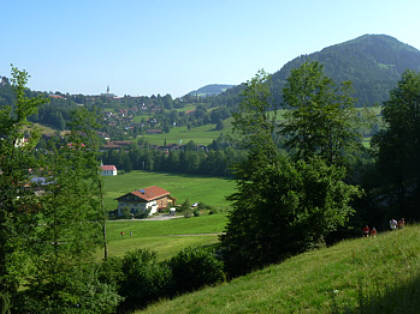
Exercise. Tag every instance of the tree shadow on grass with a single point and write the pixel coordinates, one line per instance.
(397, 297)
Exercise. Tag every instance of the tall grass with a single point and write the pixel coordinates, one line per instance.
(367, 275)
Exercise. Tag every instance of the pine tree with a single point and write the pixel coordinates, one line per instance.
(72, 219)
(17, 202)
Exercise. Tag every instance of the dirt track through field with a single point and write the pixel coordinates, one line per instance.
(196, 234)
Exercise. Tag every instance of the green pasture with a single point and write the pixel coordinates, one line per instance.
(366, 275)
(165, 247)
(138, 118)
(187, 107)
(210, 190)
(204, 134)
(165, 237)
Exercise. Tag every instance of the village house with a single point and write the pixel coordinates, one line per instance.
(108, 170)
(152, 198)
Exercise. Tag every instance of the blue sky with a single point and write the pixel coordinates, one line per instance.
(175, 46)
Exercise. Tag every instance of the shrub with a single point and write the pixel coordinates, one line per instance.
(213, 211)
(196, 213)
(141, 214)
(186, 205)
(72, 291)
(188, 213)
(126, 213)
(193, 268)
(144, 281)
(110, 271)
(203, 206)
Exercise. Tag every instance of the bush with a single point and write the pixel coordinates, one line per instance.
(110, 271)
(188, 213)
(72, 291)
(126, 214)
(196, 213)
(213, 211)
(141, 214)
(193, 268)
(204, 206)
(144, 281)
(186, 205)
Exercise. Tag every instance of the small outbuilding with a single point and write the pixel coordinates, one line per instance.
(152, 198)
(108, 170)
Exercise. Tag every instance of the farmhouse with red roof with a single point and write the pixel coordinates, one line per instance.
(109, 170)
(152, 198)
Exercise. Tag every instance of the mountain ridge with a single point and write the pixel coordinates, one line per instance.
(373, 63)
(210, 90)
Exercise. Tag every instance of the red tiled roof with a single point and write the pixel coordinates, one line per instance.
(109, 167)
(150, 193)
(110, 146)
(55, 96)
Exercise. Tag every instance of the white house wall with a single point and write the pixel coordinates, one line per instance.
(109, 172)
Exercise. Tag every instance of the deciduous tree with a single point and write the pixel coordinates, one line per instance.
(322, 120)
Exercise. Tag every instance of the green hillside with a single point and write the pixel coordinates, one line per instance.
(367, 275)
(374, 64)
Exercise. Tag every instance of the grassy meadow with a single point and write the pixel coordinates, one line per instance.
(165, 237)
(366, 275)
(210, 190)
(204, 135)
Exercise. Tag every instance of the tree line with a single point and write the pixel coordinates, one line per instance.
(189, 159)
(326, 184)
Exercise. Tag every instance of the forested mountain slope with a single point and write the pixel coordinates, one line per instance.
(210, 90)
(374, 64)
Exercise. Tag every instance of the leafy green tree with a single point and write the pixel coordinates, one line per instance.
(193, 268)
(322, 119)
(186, 205)
(144, 279)
(16, 201)
(398, 148)
(280, 207)
(219, 125)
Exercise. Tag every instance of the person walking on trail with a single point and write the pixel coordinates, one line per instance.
(401, 223)
(366, 231)
(373, 232)
(393, 224)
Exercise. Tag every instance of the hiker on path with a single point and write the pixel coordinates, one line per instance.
(373, 232)
(366, 231)
(401, 223)
(393, 224)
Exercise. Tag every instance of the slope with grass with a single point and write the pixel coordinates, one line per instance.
(367, 275)
(165, 237)
(210, 190)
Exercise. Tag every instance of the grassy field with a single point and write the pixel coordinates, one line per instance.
(144, 116)
(209, 190)
(204, 135)
(165, 237)
(367, 275)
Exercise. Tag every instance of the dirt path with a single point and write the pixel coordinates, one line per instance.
(195, 234)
